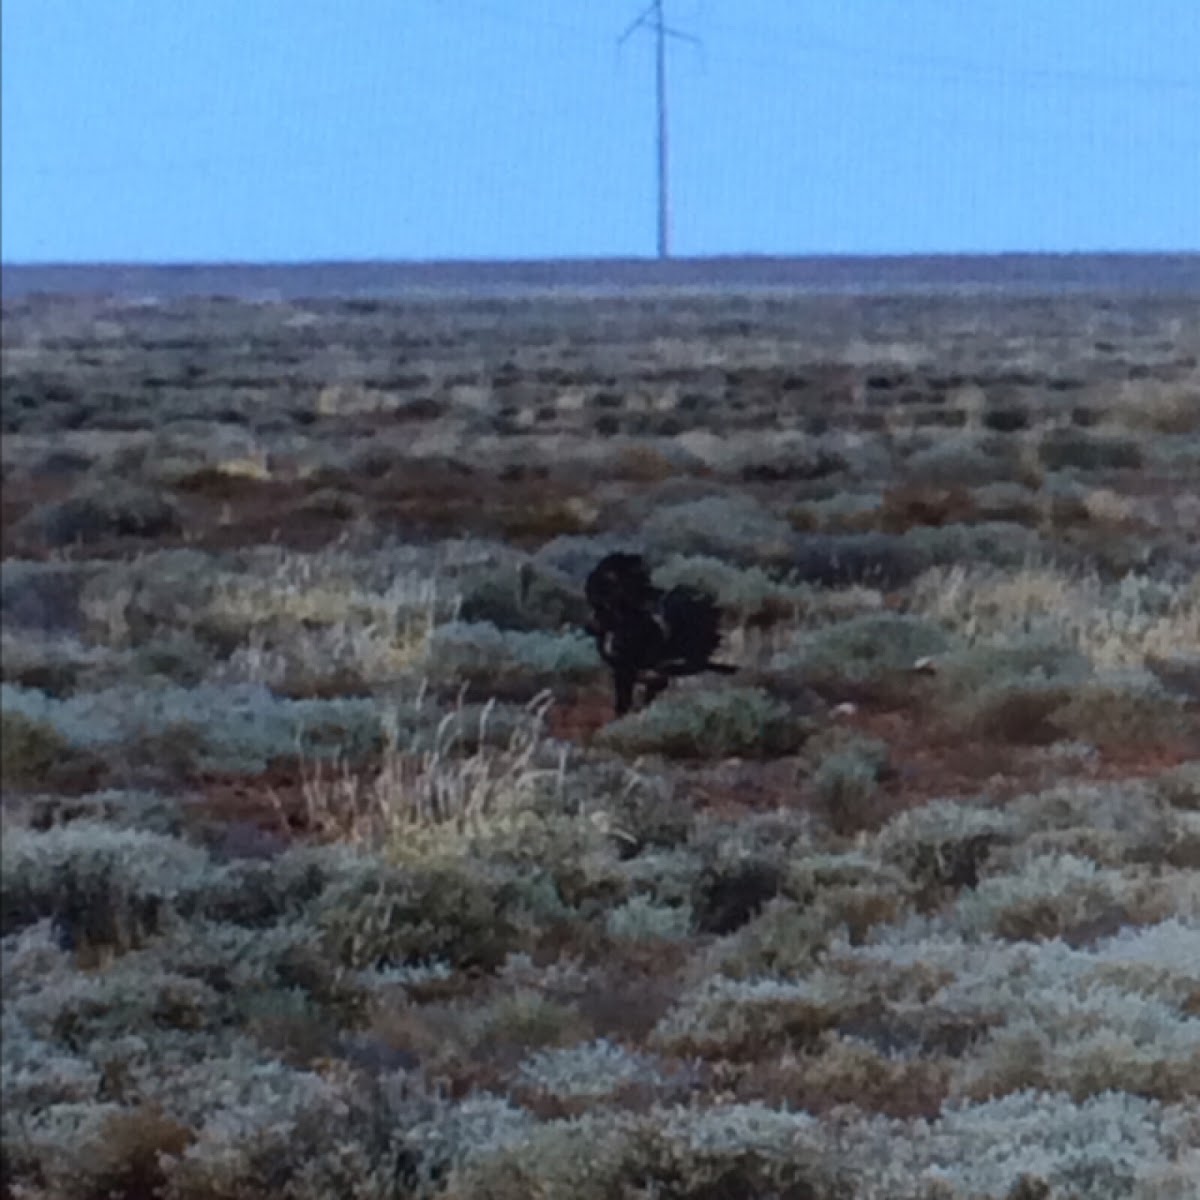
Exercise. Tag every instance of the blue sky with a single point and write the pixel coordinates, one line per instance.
(149, 130)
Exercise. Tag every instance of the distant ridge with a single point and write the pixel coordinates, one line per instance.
(1018, 274)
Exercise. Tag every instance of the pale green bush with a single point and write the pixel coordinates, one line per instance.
(1124, 815)
(122, 808)
(489, 660)
(1180, 787)
(782, 940)
(641, 919)
(744, 594)
(236, 728)
(1056, 895)
(734, 527)
(1106, 1042)
(846, 780)
(996, 543)
(1028, 1144)
(927, 842)
(866, 648)
(717, 724)
(525, 599)
(967, 459)
(963, 672)
(450, 1138)
(104, 886)
(589, 1070)
(128, 998)
(1013, 710)
(840, 513)
(54, 662)
(462, 913)
(1071, 1019)
(725, 1150)
(735, 1019)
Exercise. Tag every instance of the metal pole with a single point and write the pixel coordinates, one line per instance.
(660, 75)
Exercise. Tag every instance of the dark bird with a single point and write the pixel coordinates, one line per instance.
(646, 635)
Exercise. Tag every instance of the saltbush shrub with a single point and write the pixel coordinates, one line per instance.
(122, 808)
(1123, 708)
(943, 846)
(746, 594)
(640, 919)
(103, 886)
(711, 724)
(733, 527)
(117, 510)
(846, 782)
(751, 1019)
(33, 754)
(965, 459)
(1053, 895)
(456, 912)
(782, 941)
(965, 671)
(42, 596)
(495, 662)
(688, 1154)
(1180, 787)
(527, 601)
(873, 559)
(590, 1070)
(237, 728)
(866, 648)
(1063, 449)
(1020, 711)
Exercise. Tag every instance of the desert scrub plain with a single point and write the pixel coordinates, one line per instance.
(326, 874)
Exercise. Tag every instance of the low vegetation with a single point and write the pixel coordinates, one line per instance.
(328, 872)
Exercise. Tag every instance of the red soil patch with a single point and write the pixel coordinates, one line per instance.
(251, 815)
(1131, 761)
(226, 511)
(262, 814)
(734, 787)
(21, 496)
(931, 764)
(926, 766)
(578, 717)
(927, 763)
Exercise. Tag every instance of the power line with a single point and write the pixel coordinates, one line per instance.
(818, 42)
(805, 49)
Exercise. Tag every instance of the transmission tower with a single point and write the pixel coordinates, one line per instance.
(652, 18)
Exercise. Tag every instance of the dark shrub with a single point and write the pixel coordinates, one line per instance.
(1007, 419)
(1064, 448)
(120, 510)
(874, 559)
(527, 600)
(402, 916)
(726, 896)
(42, 595)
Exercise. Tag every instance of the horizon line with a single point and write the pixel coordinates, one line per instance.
(592, 259)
